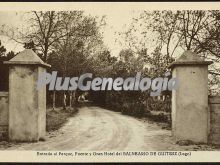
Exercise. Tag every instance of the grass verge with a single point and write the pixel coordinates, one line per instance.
(56, 118)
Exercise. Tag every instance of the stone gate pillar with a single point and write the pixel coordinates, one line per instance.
(27, 105)
(190, 100)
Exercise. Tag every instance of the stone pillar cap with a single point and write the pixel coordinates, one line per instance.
(27, 57)
(189, 58)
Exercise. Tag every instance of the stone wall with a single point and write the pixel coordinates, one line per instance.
(214, 127)
(3, 115)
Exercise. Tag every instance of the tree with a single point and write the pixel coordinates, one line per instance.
(176, 31)
(73, 52)
(2, 50)
(3, 68)
(30, 45)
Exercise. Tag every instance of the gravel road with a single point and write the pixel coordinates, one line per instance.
(98, 129)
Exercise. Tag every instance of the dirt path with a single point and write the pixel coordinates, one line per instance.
(94, 128)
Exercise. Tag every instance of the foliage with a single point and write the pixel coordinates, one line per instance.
(72, 43)
(3, 68)
(175, 32)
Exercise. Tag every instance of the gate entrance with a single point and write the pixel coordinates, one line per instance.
(24, 107)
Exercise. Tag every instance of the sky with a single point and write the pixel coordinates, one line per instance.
(118, 15)
(115, 22)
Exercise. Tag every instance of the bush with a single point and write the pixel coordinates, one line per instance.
(136, 103)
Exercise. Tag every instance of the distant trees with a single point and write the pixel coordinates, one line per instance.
(3, 55)
(72, 43)
(153, 41)
(72, 53)
(3, 68)
(169, 33)
(67, 40)
(2, 50)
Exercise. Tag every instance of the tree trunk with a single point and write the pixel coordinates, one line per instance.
(74, 98)
(64, 101)
(71, 98)
(54, 100)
